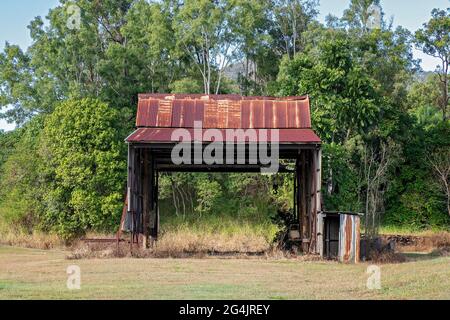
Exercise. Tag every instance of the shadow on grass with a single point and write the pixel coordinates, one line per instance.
(423, 256)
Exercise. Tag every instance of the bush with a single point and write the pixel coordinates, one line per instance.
(21, 183)
(86, 157)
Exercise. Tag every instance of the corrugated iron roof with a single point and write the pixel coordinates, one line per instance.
(223, 111)
(305, 136)
(160, 114)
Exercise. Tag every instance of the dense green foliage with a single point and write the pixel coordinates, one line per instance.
(66, 172)
(84, 150)
(73, 94)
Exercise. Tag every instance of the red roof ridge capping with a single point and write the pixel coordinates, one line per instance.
(158, 112)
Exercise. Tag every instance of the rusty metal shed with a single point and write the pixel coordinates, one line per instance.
(151, 144)
(341, 235)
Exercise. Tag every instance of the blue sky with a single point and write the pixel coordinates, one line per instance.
(15, 16)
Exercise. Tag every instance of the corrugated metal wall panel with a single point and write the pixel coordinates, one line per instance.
(349, 238)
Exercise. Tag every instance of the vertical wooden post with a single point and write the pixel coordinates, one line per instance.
(296, 215)
(138, 187)
(313, 207)
(131, 193)
(319, 223)
(303, 201)
(145, 200)
(152, 215)
(156, 196)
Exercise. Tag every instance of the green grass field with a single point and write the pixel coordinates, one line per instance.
(41, 274)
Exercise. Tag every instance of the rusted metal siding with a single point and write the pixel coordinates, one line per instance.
(349, 238)
(300, 136)
(223, 111)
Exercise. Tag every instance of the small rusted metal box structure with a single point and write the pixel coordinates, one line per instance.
(341, 236)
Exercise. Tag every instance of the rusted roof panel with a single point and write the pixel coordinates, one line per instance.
(223, 111)
(167, 135)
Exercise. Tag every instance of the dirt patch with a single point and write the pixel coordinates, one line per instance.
(96, 250)
(441, 240)
(387, 257)
(410, 243)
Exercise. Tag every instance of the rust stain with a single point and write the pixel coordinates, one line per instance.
(223, 111)
(177, 111)
(292, 114)
(188, 112)
(348, 238)
(152, 113)
(211, 115)
(221, 114)
(164, 113)
(234, 114)
(199, 110)
(358, 239)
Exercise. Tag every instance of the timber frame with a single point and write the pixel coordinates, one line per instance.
(160, 117)
(147, 160)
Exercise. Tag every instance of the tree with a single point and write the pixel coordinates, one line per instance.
(8, 143)
(361, 13)
(17, 94)
(344, 98)
(434, 40)
(22, 184)
(440, 162)
(250, 27)
(146, 61)
(377, 161)
(203, 30)
(120, 49)
(87, 184)
(423, 101)
(291, 19)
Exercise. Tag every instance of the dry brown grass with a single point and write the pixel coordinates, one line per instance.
(185, 241)
(36, 240)
(183, 244)
(441, 240)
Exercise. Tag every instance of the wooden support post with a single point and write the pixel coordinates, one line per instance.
(157, 204)
(153, 216)
(131, 193)
(138, 196)
(295, 209)
(303, 201)
(298, 190)
(146, 200)
(319, 220)
(313, 197)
